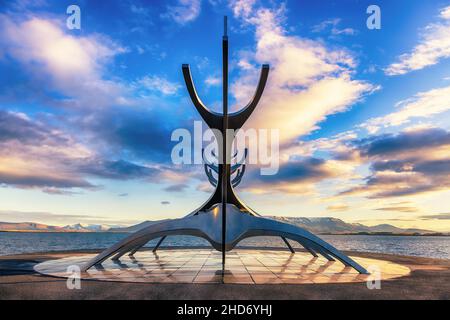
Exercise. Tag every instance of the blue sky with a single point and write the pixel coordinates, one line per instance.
(86, 115)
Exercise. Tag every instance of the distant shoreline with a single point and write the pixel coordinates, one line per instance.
(43, 231)
(437, 234)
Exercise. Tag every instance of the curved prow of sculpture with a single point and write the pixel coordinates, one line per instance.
(212, 119)
(236, 119)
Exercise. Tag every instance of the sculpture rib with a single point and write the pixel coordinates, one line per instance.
(212, 119)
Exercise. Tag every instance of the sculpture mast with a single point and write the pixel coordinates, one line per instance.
(225, 156)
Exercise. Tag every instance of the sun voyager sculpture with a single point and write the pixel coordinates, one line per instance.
(224, 220)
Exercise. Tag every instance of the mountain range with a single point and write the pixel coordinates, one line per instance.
(337, 226)
(316, 225)
(40, 227)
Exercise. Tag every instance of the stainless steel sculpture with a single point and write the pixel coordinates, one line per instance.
(224, 220)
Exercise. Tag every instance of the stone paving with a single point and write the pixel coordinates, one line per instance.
(243, 266)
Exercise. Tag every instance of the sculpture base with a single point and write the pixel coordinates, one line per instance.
(240, 225)
(244, 266)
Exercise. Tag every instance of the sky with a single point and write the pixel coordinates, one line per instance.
(86, 115)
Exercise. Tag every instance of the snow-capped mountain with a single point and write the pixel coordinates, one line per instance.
(87, 227)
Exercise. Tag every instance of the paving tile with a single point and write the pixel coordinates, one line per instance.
(208, 279)
(266, 280)
(245, 279)
(296, 281)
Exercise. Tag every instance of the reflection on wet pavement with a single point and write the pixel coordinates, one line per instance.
(243, 266)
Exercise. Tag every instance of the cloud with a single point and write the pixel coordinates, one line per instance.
(305, 169)
(422, 105)
(435, 167)
(296, 85)
(74, 66)
(408, 163)
(23, 5)
(404, 142)
(184, 12)
(142, 133)
(140, 10)
(339, 146)
(49, 181)
(59, 191)
(398, 209)
(412, 162)
(74, 72)
(34, 154)
(213, 81)
(338, 207)
(60, 153)
(295, 176)
(310, 167)
(205, 186)
(242, 8)
(440, 216)
(434, 46)
(331, 25)
(19, 127)
(176, 187)
(119, 169)
(159, 84)
(165, 202)
(124, 143)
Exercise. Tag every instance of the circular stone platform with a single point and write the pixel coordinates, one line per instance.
(243, 266)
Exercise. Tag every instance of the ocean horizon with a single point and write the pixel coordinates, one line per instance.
(31, 242)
